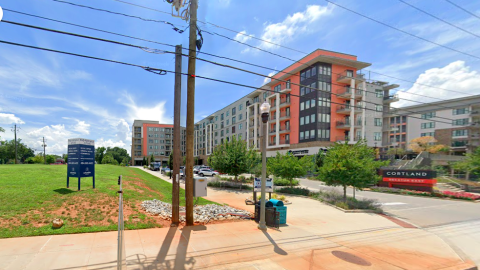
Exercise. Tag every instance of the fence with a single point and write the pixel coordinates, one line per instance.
(121, 256)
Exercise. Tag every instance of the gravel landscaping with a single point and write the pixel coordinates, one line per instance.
(201, 213)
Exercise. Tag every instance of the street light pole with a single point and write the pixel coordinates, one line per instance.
(264, 109)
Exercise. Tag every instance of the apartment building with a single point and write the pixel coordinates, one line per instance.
(346, 108)
(152, 138)
(454, 123)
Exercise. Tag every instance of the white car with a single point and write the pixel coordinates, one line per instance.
(207, 172)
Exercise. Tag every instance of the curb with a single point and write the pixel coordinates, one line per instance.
(428, 197)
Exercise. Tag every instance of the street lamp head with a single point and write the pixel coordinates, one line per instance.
(265, 107)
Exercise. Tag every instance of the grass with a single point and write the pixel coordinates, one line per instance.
(32, 195)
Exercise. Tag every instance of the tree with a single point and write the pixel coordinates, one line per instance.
(396, 151)
(471, 164)
(144, 161)
(152, 159)
(125, 161)
(38, 159)
(50, 159)
(65, 157)
(108, 159)
(118, 153)
(232, 157)
(99, 153)
(1, 130)
(350, 165)
(288, 166)
(7, 151)
(426, 143)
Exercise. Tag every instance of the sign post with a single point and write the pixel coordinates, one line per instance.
(257, 187)
(81, 160)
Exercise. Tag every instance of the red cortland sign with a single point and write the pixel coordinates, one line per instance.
(410, 180)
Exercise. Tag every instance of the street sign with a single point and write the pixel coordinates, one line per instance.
(257, 185)
(81, 159)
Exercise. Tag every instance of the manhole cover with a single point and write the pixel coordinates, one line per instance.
(351, 258)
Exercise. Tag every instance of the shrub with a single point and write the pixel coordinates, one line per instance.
(336, 198)
(461, 195)
(220, 184)
(386, 189)
(168, 174)
(294, 190)
(284, 182)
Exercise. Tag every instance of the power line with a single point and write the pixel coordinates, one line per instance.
(466, 10)
(403, 31)
(289, 48)
(440, 19)
(150, 50)
(278, 55)
(196, 76)
(123, 14)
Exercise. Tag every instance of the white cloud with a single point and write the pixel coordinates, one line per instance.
(110, 143)
(294, 24)
(266, 79)
(56, 137)
(82, 127)
(243, 37)
(123, 131)
(8, 118)
(156, 112)
(455, 76)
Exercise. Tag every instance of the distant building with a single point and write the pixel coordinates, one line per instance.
(456, 124)
(348, 108)
(152, 138)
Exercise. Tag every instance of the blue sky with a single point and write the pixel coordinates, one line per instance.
(61, 97)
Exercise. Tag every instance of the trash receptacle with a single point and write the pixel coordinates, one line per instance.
(281, 209)
(267, 203)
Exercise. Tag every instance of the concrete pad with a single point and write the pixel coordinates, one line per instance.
(69, 242)
(67, 258)
(14, 262)
(22, 245)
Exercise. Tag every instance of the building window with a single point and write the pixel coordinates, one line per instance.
(431, 134)
(221, 124)
(233, 120)
(233, 129)
(227, 131)
(240, 116)
(325, 102)
(377, 122)
(323, 133)
(301, 135)
(221, 117)
(459, 133)
(277, 88)
(324, 117)
(228, 122)
(302, 121)
(312, 118)
(460, 122)
(378, 93)
(312, 103)
(307, 135)
(427, 125)
(302, 106)
(378, 108)
(240, 107)
(307, 105)
(234, 110)
(460, 111)
(377, 136)
(221, 133)
(428, 115)
(228, 113)
(156, 141)
(307, 120)
(215, 126)
(240, 126)
(287, 86)
(150, 141)
(302, 91)
(216, 118)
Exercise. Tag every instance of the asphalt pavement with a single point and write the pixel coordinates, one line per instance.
(456, 222)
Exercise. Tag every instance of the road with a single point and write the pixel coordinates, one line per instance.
(457, 222)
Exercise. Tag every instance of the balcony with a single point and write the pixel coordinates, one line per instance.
(284, 141)
(253, 101)
(459, 144)
(346, 109)
(284, 129)
(284, 102)
(389, 99)
(347, 76)
(346, 124)
(272, 131)
(284, 115)
(273, 117)
(346, 93)
(271, 143)
(342, 138)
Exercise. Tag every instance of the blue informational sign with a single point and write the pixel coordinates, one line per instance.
(81, 159)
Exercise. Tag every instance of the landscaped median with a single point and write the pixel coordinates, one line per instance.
(335, 199)
(31, 196)
(440, 194)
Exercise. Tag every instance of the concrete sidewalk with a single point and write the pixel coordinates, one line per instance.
(317, 237)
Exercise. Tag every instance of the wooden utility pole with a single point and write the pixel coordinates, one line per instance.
(44, 156)
(15, 131)
(190, 111)
(177, 153)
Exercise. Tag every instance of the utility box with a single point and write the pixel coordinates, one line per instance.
(199, 186)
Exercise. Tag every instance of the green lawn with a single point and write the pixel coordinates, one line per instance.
(31, 196)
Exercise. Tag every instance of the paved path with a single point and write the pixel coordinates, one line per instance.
(317, 237)
(457, 222)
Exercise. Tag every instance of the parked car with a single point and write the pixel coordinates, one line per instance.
(199, 168)
(207, 172)
(165, 170)
(155, 166)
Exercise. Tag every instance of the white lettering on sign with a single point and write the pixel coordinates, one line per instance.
(81, 141)
(406, 174)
